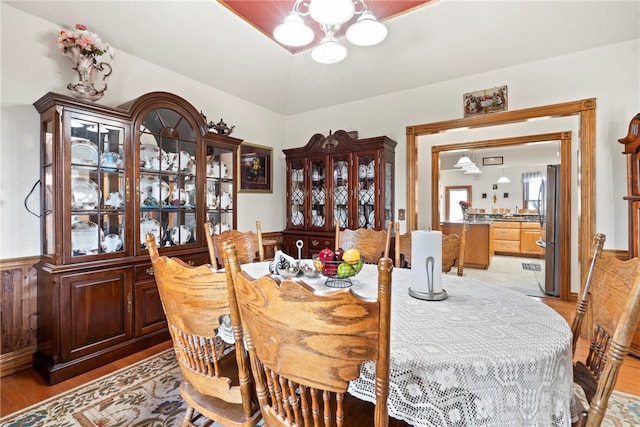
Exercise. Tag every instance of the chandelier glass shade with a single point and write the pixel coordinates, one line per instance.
(330, 15)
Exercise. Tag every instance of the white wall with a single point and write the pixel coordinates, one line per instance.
(611, 74)
(33, 66)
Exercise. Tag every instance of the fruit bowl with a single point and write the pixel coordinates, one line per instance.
(338, 273)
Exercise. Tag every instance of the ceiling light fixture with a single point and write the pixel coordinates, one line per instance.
(330, 14)
(464, 161)
(503, 179)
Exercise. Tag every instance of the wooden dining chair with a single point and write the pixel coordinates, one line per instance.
(372, 244)
(614, 306)
(216, 383)
(453, 249)
(306, 347)
(402, 248)
(583, 302)
(249, 243)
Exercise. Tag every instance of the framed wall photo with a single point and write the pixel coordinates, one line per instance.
(490, 161)
(255, 169)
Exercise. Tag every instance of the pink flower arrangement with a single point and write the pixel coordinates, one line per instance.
(465, 204)
(89, 44)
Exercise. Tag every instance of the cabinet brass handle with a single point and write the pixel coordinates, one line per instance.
(149, 271)
(190, 262)
(126, 189)
(327, 243)
(129, 303)
(314, 243)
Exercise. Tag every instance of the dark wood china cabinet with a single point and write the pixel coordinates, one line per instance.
(109, 176)
(632, 151)
(337, 178)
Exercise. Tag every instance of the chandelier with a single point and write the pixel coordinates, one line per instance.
(330, 15)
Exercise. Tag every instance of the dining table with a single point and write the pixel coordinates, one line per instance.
(484, 356)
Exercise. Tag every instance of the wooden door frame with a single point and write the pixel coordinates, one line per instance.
(585, 109)
(564, 239)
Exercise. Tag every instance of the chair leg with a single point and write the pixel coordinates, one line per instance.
(186, 421)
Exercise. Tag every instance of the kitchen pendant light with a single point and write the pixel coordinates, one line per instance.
(503, 179)
(330, 15)
(463, 161)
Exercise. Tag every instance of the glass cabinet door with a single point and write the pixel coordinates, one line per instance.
(297, 193)
(167, 178)
(341, 191)
(318, 197)
(98, 186)
(366, 167)
(220, 174)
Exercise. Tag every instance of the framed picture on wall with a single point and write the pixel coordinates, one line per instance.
(255, 168)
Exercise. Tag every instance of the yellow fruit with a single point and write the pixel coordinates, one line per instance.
(317, 264)
(351, 256)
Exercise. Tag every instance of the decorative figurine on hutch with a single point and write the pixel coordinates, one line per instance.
(84, 48)
(221, 127)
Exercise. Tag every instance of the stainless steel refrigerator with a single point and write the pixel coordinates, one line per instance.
(549, 203)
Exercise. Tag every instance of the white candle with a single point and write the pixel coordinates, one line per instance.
(426, 260)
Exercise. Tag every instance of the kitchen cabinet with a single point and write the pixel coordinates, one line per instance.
(478, 246)
(108, 177)
(632, 152)
(506, 237)
(337, 178)
(530, 233)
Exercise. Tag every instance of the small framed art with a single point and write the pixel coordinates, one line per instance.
(255, 169)
(492, 161)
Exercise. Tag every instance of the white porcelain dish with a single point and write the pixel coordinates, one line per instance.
(85, 193)
(110, 160)
(84, 152)
(149, 225)
(153, 190)
(297, 218)
(111, 243)
(114, 200)
(179, 194)
(180, 235)
(85, 237)
(221, 228)
(152, 157)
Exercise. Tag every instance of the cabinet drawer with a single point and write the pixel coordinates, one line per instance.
(506, 224)
(506, 234)
(145, 271)
(506, 246)
(530, 225)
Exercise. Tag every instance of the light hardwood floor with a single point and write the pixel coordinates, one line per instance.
(25, 388)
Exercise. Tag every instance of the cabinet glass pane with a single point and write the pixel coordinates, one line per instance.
(366, 191)
(98, 187)
(219, 197)
(168, 157)
(318, 199)
(341, 191)
(388, 188)
(296, 192)
(48, 143)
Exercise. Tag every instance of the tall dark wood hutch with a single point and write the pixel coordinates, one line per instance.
(108, 177)
(337, 178)
(632, 151)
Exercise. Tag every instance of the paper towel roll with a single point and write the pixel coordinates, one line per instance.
(426, 245)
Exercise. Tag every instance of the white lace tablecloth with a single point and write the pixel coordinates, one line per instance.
(485, 356)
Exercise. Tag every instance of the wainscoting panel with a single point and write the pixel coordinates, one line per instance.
(18, 314)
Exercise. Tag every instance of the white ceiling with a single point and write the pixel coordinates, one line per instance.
(438, 42)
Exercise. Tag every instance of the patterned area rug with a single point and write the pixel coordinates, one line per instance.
(146, 394)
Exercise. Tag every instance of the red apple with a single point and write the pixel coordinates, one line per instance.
(338, 254)
(329, 270)
(326, 254)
